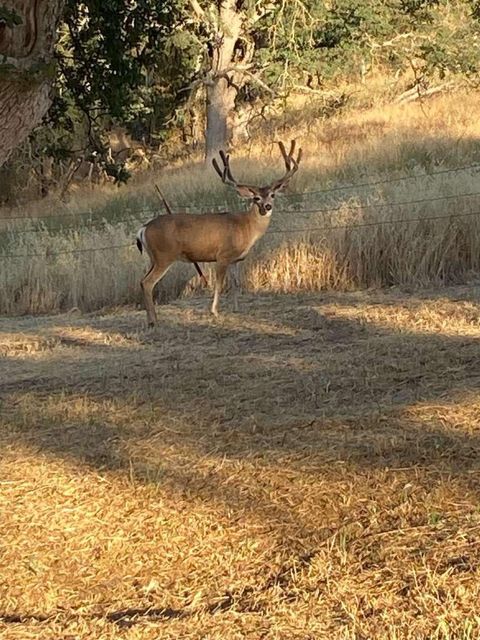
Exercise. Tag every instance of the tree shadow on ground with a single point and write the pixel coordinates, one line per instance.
(261, 388)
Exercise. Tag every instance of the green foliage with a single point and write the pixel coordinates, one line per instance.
(133, 63)
(120, 63)
(109, 52)
(321, 43)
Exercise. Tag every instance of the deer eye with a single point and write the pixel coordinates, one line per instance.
(257, 198)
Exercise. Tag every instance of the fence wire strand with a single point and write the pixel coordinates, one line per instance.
(52, 254)
(304, 230)
(304, 194)
(135, 217)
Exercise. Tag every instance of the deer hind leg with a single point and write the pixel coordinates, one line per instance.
(153, 275)
(220, 272)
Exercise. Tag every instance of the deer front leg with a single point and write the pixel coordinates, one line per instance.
(220, 271)
(236, 285)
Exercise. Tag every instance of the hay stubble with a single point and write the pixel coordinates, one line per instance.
(307, 468)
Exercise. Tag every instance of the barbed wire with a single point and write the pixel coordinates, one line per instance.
(377, 223)
(104, 214)
(304, 194)
(355, 185)
(66, 214)
(305, 230)
(381, 205)
(73, 227)
(52, 254)
(135, 216)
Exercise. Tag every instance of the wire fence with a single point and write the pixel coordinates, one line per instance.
(301, 230)
(135, 215)
(379, 223)
(358, 185)
(96, 222)
(303, 194)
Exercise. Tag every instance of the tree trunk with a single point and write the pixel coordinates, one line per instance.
(220, 105)
(26, 67)
(221, 89)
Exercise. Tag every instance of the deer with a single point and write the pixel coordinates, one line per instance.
(223, 238)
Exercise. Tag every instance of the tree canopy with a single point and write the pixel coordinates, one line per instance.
(149, 64)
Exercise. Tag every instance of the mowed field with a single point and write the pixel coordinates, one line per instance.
(307, 468)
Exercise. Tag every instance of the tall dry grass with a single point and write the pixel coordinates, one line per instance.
(401, 148)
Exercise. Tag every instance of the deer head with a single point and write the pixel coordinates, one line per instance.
(262, 197)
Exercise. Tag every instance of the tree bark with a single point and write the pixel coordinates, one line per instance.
(26, 68)
(221, 89)
(220, 105)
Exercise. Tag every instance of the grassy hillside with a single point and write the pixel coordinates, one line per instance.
(359, 169)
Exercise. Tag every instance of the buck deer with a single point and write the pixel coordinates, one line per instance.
(224, 238)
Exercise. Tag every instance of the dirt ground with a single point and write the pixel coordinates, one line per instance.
(307, 468)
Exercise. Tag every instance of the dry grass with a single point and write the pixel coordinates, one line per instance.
(377, 144)
(307, 468)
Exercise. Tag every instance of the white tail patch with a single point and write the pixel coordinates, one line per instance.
(141, 238)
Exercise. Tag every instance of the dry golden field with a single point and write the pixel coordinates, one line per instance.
(305, 469)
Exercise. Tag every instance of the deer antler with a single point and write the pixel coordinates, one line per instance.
(226, 173)
(291, 164)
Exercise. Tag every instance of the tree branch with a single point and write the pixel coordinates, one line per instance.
(254, 78)
(197, 9)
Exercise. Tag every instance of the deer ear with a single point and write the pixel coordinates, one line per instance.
(245, 192)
